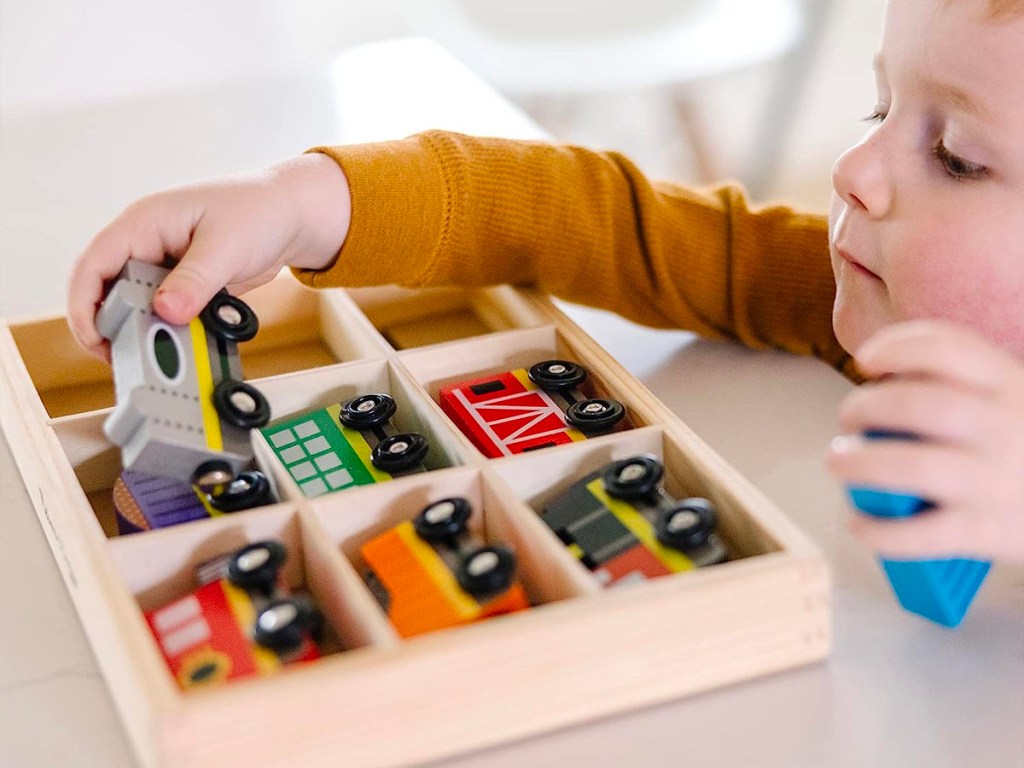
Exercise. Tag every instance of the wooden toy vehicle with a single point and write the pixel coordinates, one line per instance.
(432, 573)
(623, 525)
(182, 410)
(144, 502)
(520, 410)
(345, 445)
(240, 622)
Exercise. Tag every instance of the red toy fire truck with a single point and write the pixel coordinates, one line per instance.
(517, 411)
(240, 622)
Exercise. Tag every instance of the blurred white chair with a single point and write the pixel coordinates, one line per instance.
(535, 50)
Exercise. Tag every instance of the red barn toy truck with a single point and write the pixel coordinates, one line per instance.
(431, 573)
(520, 410)
(239, 623)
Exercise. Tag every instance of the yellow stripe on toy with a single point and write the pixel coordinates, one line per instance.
(204, 381)
(245, 616)
(637, 524)
(464, 605)
(362, 448)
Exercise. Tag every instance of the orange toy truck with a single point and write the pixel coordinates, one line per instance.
(431, 573)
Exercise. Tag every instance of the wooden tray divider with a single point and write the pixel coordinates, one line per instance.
(340, 592)
(582, 652)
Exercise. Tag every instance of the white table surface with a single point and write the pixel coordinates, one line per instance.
(896, 690)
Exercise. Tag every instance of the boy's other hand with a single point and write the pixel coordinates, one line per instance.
(964, 397)
(237, 232)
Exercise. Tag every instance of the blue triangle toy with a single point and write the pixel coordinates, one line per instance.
(940, 590)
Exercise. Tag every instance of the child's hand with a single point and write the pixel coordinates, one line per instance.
(237, 232)
(964, 397)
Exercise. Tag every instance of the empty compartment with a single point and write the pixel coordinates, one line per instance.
(299, 329)
(68, 379)
(302, 328)
(417, 318)
(133, 502)
(275, 604)
(523, 390)
(430, 566)
(350, 425)
(658, 511)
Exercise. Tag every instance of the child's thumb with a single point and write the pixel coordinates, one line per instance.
(189, 286)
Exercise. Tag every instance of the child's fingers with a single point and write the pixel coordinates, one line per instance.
(927, 408)
(209, 264)
(943, 473)
(936, 349)
(100, 262)
(924, 535)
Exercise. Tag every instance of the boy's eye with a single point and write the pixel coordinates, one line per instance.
(876, 116)
(956, 167)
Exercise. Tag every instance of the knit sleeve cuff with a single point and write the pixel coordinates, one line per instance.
(400, 195)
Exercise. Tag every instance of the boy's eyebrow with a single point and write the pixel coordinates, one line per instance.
(958, 97)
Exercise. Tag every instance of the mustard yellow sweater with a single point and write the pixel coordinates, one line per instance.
(447, 209)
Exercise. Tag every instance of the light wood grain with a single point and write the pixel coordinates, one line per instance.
(375, 700)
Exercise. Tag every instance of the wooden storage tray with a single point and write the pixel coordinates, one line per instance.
(375, 699)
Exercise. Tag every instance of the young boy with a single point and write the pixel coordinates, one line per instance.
(925, 284)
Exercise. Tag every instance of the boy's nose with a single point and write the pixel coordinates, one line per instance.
(861, 176)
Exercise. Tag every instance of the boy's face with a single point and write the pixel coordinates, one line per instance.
(927, 219)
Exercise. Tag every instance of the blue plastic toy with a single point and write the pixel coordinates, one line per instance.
(940, 590)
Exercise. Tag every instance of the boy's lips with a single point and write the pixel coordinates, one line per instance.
(857, 266)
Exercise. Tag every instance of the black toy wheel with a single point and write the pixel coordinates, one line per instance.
(283, 624)
(212, 475)
(398, 452)
(634, 478)
(241, 404)
(367, 411)
(595, 415)
(443, 520)
(228, 317)
(487, 570)
(557, 375)
(687, 524)
(255, 566)
(250, 489)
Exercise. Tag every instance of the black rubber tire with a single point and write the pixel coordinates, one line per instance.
(223, 402)
(387, 456)
(557, 375)
(250, 489)
(496, 578)
(443, 520)
(283, 624)
(367, 411)
(596, 415)
(230, 318)
(256, 565)
(212, 474)
(633, 478)
(687, 524)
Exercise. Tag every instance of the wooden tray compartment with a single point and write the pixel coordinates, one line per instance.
(465, 360)
(354, 518)
(294, 394)
(299, 329)
(581, 653)
(538, 480)
(160, 566)
(407, 318)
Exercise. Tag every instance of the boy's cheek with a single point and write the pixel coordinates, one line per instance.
(959, 287)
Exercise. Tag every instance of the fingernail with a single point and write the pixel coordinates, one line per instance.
(845, 443)
(171, 302)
